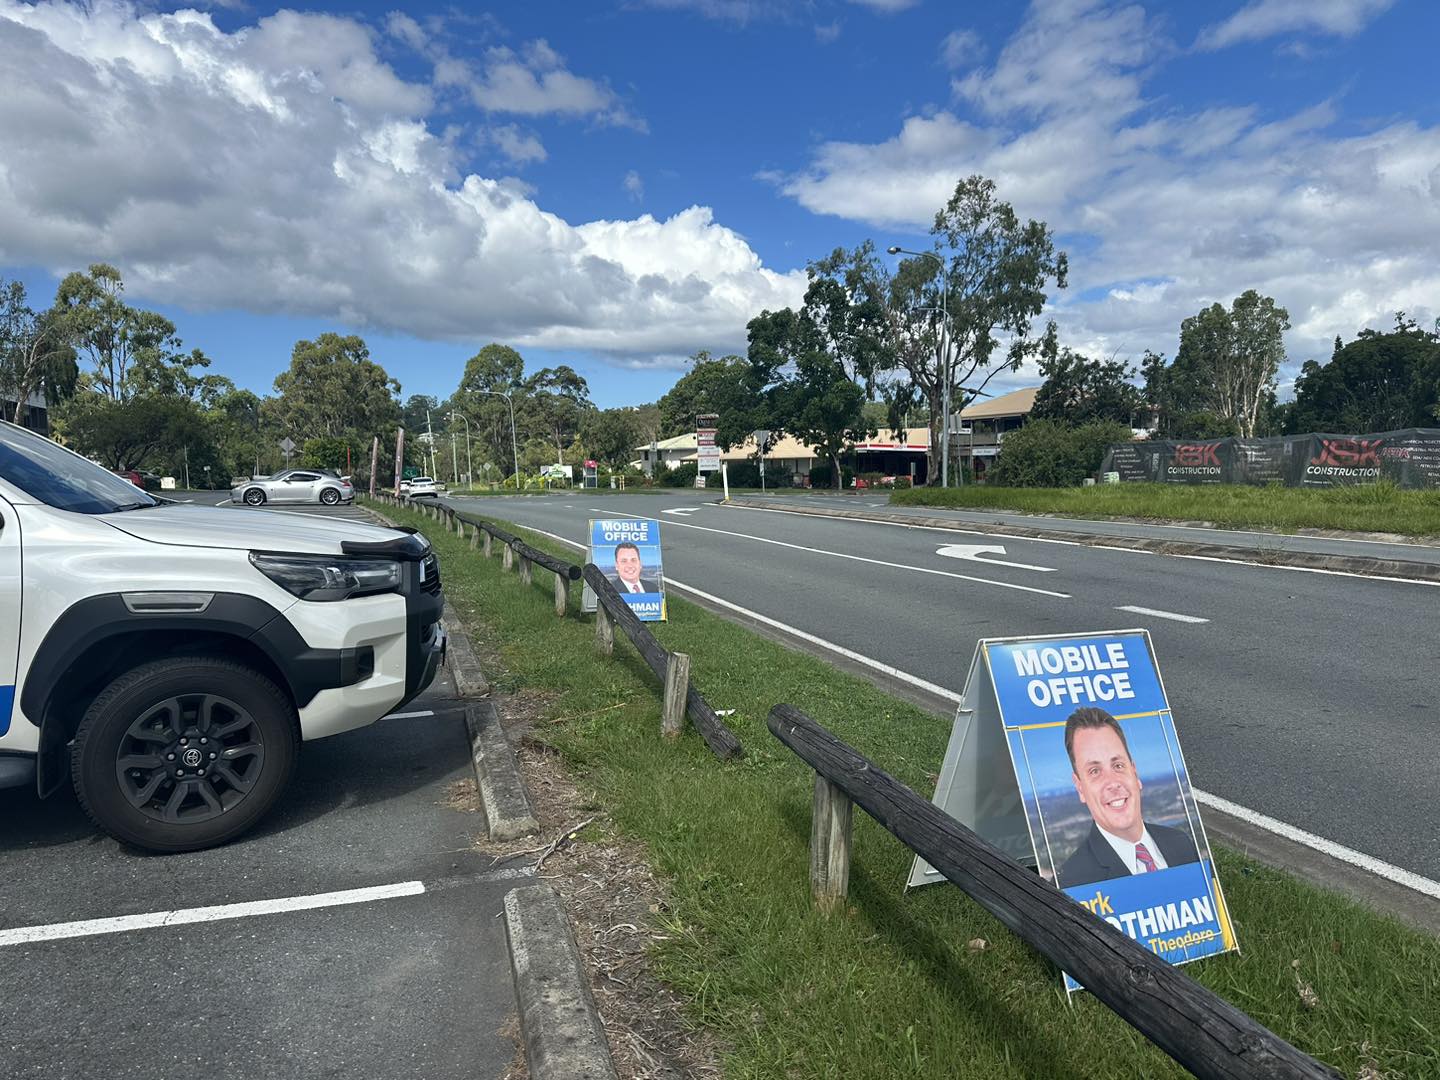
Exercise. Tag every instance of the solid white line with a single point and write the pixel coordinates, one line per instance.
(1161, 614)
(1305, 569)
(1319, 843)
(906, 525)
(119, 924)
(408, 715)
(1290, 832)
(873, 562)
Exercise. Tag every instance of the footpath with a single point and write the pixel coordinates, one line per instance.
(1353, 553)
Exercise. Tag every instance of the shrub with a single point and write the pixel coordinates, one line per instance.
(1049, 453)
(823, 476)
(680, 476)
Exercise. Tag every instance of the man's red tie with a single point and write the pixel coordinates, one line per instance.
(1146, 859)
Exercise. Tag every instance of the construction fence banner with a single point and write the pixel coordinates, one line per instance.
(1409, 457)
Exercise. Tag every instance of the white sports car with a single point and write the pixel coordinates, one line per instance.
(295, 486)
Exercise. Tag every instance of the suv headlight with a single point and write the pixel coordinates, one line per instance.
(328, 577)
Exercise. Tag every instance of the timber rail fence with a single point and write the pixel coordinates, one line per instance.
(681, 699)
(1202, 1032)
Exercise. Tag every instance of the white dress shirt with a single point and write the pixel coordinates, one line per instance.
(1125, 849)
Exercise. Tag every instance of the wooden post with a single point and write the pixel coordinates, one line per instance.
(562, 594)
(829, 845)
(507, 557)
(677, 688)
(488, 538)
(475, 538)
(525, 570)
(604, 631)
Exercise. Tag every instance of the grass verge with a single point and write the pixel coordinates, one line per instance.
(890, 987)
(1381, 507)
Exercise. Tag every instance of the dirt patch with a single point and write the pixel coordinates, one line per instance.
(614, 900)
(461, 795)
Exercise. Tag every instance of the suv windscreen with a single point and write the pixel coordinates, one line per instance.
(53, 475)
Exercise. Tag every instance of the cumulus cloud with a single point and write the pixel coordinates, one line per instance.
(535, 81)
(1267, 18)
(1164, 210)
(961, 48)
(284, 168)
(519, 147)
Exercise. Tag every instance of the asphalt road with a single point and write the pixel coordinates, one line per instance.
(1311, 698)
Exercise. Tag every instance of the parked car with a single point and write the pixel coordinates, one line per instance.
(295, 486)
(170, 659)
(423, 487)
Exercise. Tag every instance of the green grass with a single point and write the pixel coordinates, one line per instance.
(1378, 507)
(887, 988)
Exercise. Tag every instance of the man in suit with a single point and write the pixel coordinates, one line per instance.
(627, 577)
(1120, 841)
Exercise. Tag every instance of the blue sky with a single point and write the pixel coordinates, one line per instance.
(616, 186)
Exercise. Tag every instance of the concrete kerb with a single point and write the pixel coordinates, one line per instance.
(508, 814)
(1310, 560)
(564, 1038)
(469, 677)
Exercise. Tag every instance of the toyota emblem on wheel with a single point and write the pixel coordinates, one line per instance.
(192, 757)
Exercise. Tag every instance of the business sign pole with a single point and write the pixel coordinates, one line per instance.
(1085, 725)
(707, 454)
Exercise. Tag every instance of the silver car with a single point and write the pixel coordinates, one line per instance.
(295, 486)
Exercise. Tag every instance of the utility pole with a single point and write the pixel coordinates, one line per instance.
(454, 462)
(374, 464)
(399, 458)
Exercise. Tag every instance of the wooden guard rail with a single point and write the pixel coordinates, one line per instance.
(1204, 1033)
(673, 669)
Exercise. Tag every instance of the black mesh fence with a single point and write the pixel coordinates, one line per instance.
(1410, 457)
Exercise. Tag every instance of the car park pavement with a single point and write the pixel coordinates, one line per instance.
(121, 964)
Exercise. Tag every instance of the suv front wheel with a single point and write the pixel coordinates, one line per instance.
(184, 753)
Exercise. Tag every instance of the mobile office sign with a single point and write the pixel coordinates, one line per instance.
(1097, 797)
(627, 551)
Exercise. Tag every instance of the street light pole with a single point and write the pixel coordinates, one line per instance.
(469, 463)
(944, 356)
(514, 443)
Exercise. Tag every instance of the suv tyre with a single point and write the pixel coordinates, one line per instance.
(184, 753)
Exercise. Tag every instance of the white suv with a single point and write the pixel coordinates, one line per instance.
(171, 658)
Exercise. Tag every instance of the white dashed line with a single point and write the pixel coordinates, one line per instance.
(1173, 616)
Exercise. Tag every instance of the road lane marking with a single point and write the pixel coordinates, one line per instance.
(904, 525)
(407, 715)
(680, 510)
(1161, 614)
(875, 562)
(973, 553)
(1369, 863)
(1306, 569)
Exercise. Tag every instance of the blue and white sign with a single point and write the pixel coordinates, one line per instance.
(1107, 804)
(627, 551)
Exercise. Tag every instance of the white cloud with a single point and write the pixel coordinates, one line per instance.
(961, 48)
(886, 7)
(634, 186)
(520, 147)
(1267, 18)
(827, 33)
(535, 81)
(284, 168)
(1164, 210)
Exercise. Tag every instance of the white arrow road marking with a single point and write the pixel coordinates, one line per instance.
(681, 510)
(972, 553)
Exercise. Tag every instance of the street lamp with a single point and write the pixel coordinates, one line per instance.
(944, 355)
(514, 443)
(469, 464)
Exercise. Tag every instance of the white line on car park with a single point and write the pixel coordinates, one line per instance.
(1378, 867)
(1161, 614)
(408, 715)
(119, 924)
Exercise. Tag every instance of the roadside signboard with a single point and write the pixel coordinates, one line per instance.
(707, 454)
(627, 551)
(592, 473)
(1086, 728)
